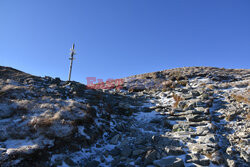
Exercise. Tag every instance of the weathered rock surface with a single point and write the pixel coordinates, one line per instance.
(196, 116)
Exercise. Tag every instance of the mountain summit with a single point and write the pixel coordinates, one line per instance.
(191, 116)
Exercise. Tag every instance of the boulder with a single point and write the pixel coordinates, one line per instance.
(169, 162)
(114, 139)
(150, 156)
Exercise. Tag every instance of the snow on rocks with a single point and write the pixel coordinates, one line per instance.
(182, 117)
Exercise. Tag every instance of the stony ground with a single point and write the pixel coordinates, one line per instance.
(196, 116)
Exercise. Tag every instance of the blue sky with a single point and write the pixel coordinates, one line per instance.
(118, 38)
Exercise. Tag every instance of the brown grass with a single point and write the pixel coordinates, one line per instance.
(41, 122)
(177, 75)
(248, 116)
(164, 90)
(182, 82)
(130, 90)
(228, 118)
(210, 87)
(177, 99)
(44, 121)
(203, 84)
(208, 155)
(240, 98)
(167, 84)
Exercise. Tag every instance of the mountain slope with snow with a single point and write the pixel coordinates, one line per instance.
(192, 116)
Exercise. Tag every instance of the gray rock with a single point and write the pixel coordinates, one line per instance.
(93, 163)
(3, 134)
(208, 139)
(2, 150)
(231, 163)
(115, 139)
(115, 151)
(196, 118)
(138, 152)
(69, 162)
(5, 111)
(200, 148)
(170, 150)
(202, 130)
(188, 96)
(126, 152)
(201, 104)
(217, 158)
(230, 150)
(124, 143)
(207, 111)
(245, 155)
(182, 104)
(190, 106)
(150, 156)
(140, 140)
(195, 158)
(116, 161)
(59, 130)
(169, 162)
(181, 127)
(156, 120)
(138, 161)
(195, 93)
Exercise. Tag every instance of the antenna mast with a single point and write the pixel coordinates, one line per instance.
(72, 53)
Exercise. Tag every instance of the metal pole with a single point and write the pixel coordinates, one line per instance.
(72, 53)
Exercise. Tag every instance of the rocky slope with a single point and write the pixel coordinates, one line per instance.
(196, 116)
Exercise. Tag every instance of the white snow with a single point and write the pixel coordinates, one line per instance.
(81, 131)
(146, 116)
(11, 143)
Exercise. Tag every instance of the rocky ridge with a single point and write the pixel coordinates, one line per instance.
(192, 116)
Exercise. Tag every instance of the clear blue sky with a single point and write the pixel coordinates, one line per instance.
(118, 38)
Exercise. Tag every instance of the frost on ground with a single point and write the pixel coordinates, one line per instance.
(196, 116)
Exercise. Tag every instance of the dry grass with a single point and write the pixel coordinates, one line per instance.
(130, 90)
(203, 84)
(209, 155)
(241, 84)
(41, 122)
(228, 117)
(167, 84)
(177, 99)
(182, 82)
(240, 98)
(225, 85)
(164, 90)
(248, 116)
(210, 87)
(45, 121)
(177, 75)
